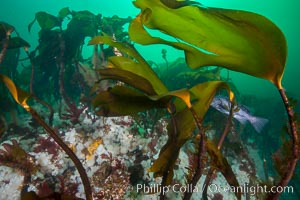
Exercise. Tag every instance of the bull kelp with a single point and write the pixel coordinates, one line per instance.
(168, 105)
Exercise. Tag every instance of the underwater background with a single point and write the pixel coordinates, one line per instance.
(258, 95)
(284, 14)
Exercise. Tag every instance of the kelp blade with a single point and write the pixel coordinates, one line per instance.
(19, 95)
(135, 64)
(238, 40)
(123, 100)
(220, 163)
(201, 96)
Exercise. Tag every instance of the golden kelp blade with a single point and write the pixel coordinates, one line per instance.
(19, 95)
(136, 64)
(122, 100)
(238, 40)
(201, 95)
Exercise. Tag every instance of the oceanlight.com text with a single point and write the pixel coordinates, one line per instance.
(213, 188)
(251, 190)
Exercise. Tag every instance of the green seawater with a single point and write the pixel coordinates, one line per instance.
(284, 14)
(258, 94)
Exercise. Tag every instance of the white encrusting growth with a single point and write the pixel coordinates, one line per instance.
(111, 140)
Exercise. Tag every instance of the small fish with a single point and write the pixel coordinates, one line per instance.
(241, 113)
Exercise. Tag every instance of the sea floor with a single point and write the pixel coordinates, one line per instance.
(116, 154)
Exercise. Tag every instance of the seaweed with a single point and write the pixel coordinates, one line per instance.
(21, 98)
(235, 48)
(15, 157)
(135, 87)
(58, 57)
(151, 93)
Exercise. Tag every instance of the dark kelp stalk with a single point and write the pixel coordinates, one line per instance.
(120, 82)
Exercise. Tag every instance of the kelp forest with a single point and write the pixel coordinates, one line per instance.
(115, 125)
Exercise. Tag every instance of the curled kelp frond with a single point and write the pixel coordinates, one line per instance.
(14, 156)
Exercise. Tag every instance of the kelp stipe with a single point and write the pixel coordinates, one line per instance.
(236, 48)
(238, 28)
(123, 100)
(292, 159)
(212, 171)
(54, 41)
(21, 98)
(240, 47)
